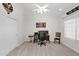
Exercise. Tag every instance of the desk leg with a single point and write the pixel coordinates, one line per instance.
(30, 40)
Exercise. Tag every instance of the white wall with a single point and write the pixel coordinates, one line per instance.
(74, 44)
(11, 29)
(52, 23)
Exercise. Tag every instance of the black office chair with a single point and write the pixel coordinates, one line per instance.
(57, 37)
(41, 37)
(47, 36)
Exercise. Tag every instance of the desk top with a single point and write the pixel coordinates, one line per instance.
(31, 36)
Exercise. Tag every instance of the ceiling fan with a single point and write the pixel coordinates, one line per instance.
(41, 9)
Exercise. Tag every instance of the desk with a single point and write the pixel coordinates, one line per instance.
(31, 38)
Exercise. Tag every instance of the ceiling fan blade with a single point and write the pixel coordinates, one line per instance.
(37, 6)
(45, 6)
(36, 10)
(46, 10)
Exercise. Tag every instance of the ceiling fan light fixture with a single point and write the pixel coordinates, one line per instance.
(41, 9)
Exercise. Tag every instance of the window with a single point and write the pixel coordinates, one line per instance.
(69, 29)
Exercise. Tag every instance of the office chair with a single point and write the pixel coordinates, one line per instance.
(35, 37)
(47, 36)
(41, 37)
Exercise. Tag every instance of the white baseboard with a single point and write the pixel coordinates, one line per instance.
(71, 47)
(14, 48)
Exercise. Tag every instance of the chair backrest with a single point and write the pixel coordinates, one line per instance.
(36, 35)
(46, 33)
(41, 33)
(58, 34)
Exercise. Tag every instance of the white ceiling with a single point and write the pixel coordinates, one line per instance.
(53, 7)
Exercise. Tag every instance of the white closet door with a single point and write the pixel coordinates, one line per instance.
(8, 31)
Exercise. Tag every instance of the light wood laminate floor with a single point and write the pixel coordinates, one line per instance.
(33, 49)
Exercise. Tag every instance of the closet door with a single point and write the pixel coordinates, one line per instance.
(8, 31)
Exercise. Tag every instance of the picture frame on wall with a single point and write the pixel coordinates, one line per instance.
(41, 25)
